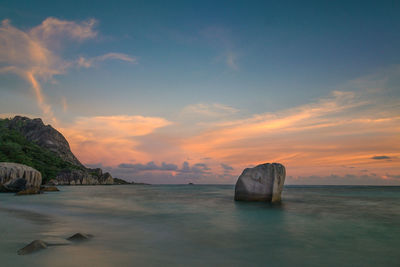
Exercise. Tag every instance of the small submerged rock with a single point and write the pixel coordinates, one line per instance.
(79, 237)
(37, 245)
(49, 189)
(32, 247)
(29, 191)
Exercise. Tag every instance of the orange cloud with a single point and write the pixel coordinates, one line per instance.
(346, 128)
(110, 139)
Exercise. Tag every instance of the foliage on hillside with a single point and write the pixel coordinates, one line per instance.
(14, 147)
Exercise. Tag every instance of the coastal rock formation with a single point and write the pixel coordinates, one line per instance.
(79, 177)
(34, 246)
(16, 177)
(45, 136)
(261, 183)
(47, 150)
(120, 181)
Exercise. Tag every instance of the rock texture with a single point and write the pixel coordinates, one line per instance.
(261, 183)
(16, 177)
(79, 177)
(45, 136)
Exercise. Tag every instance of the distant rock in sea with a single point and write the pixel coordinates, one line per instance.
(261, 183)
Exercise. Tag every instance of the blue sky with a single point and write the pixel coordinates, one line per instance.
(235, 60)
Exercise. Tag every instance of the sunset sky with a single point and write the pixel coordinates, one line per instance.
(196, 91)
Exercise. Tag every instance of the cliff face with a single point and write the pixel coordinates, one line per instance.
(45, 136)
(79, 177)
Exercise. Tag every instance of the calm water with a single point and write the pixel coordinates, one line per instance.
(202, 226)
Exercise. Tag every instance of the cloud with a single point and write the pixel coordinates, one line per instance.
(221, 38)
(90, 62)
(341, 129)
(226, 167)
(110, 139)
(209, 110)
(231, 60)
(64, 104)
(392, 177)
(150, 166)
(34, 54)
(346, 179)
(380, 157)
(53, 29)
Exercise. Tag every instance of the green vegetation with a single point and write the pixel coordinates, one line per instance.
(14, 147)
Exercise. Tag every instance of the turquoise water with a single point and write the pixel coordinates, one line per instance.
(201, 225)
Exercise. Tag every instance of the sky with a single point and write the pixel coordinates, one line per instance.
(196, 91)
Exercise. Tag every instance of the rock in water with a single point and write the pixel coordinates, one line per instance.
(49, 189)
(261, 183)
(29, 191)
(34, 246)
(79, 237)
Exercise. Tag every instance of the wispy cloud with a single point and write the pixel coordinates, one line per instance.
(231, 60)
(34, 54)
(344, 128)
(209, 110)
(226, 167)
(381, 157)
(150, 166)
(90, 62)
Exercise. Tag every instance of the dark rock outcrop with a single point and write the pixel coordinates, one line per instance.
(261, 183)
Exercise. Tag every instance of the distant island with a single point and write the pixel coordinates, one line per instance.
(32, 143)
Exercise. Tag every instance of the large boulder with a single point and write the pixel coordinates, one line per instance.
(261, 183)
(15, 177)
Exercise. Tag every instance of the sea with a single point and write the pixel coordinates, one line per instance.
(201, 225)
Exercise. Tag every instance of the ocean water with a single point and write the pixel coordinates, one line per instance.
(201, 225)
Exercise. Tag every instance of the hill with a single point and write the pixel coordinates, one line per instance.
(31, 142)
